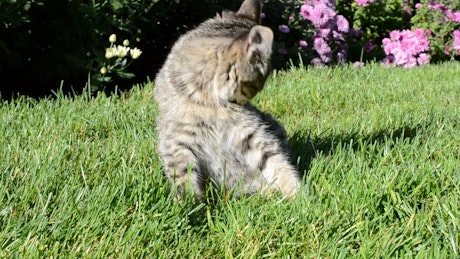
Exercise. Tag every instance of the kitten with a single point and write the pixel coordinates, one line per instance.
(207, 129)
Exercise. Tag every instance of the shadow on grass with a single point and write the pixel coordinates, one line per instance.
(304, 148)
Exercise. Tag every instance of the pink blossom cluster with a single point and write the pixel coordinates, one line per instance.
(330, 30)
(441, 7)
(454, 16)
(456, 46)
(407, 48)
(364, 3)
(451, 15)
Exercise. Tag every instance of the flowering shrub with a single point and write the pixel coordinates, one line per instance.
(407, 48)
(404, 33)
(442, 18)
(326, 32)
(117, 59)
(330, 31)
(370, 22)
(308, 32)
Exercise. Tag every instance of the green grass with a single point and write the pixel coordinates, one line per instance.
(380, 149)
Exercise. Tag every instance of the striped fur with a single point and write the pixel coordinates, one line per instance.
(208, 130)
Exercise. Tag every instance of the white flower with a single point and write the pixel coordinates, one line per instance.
(103, 70)
(116, 51)
(110, 53)
(126, 43)
(112, 38)
(135, 53)
(122, 51)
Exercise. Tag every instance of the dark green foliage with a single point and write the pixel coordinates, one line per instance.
(43, 43)
(47, 43)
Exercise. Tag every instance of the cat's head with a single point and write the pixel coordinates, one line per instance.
(225, 59)
(254, 64)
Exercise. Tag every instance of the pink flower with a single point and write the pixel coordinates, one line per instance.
(400, 57)
(338, 35)
(418, 5)
(407, 9)
(411, 62)
(454, 16)
(284, 28)
(303, 43)
(456, 44)
(317, 62)
(305, 11)
(319, 14)
(387, 45)
(326, 58)
(330, 28)
(435, 7)
(324, 32)
(447, 50)
(423, 59)
(364, 3)
(407, 48)
(321, 46)
(358, 64)
(342, 23)
(394, 35)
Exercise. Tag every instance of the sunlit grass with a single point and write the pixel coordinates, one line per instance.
(379, 147)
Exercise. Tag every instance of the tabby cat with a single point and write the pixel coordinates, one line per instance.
(207, 129)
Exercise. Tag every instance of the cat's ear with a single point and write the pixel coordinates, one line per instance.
(259, 43)
(251, 9)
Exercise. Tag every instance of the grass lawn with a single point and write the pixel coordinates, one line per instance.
(379, 147)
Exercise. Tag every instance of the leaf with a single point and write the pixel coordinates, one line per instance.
(116, 5)
(123, 74)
